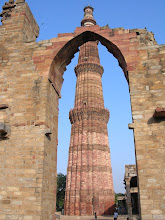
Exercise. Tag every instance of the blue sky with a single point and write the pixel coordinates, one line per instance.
(64, 16)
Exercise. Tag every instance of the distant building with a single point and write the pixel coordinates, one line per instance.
(121, 203)
(131, 190)
(128, 204)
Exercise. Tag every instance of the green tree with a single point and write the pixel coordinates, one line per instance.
(61, 184)
(116, 196)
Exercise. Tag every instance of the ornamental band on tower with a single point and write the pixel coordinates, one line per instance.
(89, 186)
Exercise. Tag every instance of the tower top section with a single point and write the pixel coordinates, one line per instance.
(88, 19)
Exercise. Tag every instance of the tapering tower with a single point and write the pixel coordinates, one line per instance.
(89, 185)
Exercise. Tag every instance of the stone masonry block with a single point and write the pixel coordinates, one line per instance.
(19, 1)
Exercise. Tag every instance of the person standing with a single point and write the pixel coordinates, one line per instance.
(115, 215)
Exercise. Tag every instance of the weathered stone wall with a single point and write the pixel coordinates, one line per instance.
(26, 153)
(28, 150)
(21, 158)
(147, 89)
(50, 156)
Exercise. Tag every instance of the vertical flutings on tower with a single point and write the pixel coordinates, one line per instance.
(89, 185)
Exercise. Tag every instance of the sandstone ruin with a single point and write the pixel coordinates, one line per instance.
(31, 80)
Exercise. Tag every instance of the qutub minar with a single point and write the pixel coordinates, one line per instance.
(89, 185)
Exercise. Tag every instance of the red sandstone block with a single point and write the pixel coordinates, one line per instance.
(65, 34)
(59, 45)
(18, 125)
(159, 113)
(40, 123)
(83, 29)
(132, 66)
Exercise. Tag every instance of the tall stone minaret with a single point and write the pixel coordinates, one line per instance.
(89, 185)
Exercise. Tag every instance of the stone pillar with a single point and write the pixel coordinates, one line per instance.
(129, 203)
(89, 186)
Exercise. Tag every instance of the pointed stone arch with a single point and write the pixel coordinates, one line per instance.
(66, 53)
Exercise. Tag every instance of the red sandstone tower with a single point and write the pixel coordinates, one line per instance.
(89, 185)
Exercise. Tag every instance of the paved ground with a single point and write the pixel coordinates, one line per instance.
(65, 217)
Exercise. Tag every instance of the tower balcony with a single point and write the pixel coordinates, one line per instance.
(89, 113)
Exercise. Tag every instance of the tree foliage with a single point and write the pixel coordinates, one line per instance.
(116, 196)
(61, 184)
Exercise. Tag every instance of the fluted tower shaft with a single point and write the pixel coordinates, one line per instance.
(89, 186)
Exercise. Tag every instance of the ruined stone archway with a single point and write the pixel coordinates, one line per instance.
(66, 53)
(133, 64)
(30, 108)
(61, 50)
(110, 45)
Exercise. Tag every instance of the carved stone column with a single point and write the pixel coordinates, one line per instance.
(89, 186)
